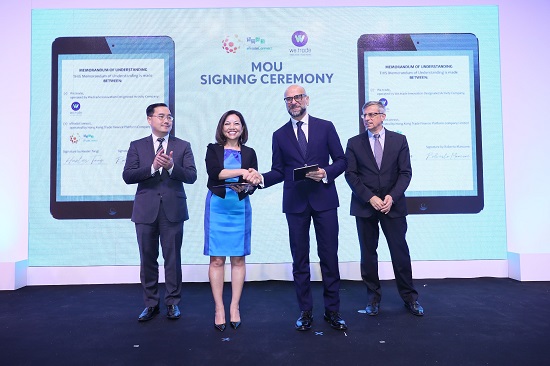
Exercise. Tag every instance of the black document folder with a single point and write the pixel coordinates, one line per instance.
(300, 173)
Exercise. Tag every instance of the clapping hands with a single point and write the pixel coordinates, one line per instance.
(163, 160)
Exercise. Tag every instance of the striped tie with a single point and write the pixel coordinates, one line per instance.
(160, 140)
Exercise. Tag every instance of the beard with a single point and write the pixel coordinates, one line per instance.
(296, 113)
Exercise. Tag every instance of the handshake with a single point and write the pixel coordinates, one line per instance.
(252, 176)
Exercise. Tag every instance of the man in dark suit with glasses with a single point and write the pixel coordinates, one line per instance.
(160, 163)
(305, 140)
(379, 171)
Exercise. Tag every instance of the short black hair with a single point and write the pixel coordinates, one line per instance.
(151, 109)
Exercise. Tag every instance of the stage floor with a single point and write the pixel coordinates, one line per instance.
(482, 321)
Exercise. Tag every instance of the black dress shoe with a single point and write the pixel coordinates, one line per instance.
(235, 325)
(304, 321)
(220, 327)
(415, 308)
(372, 308)
(173, 312)
(335, 321)
(149, 313)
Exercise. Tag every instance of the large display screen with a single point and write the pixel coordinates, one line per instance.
(94, 72)
(430, 86)
(99, 87)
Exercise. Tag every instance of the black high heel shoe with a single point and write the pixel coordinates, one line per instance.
(235, 325)
(220, 327)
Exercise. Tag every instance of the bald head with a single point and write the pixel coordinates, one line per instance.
(294, 89)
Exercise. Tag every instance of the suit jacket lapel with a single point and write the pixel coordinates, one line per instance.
(388, 145)
(171, 144)
(313, 136)
(149, 147)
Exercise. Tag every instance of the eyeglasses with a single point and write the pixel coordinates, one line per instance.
(370, 115)
(297, 98)
(162, 117)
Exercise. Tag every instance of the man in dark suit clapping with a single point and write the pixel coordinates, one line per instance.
(379, 171)
(160, 163)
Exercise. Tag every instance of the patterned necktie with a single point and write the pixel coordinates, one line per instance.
(377, 150)
(159, 149)
(160, 140)
(301, 138)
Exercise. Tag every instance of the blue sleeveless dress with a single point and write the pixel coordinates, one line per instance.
(227, 221)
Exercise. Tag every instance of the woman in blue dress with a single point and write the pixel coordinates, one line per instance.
(232, 176)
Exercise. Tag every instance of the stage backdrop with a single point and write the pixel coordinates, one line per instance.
(95, 71)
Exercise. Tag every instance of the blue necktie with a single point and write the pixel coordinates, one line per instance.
(301, 138)
(377, 150)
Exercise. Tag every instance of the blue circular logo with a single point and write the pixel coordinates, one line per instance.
(75, 106)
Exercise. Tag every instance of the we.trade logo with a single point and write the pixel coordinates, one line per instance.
(299, 38)
(75, 106)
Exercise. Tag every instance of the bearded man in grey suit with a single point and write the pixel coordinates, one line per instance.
(160, 163)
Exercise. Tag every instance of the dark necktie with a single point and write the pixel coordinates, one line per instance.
(301, 138)
(160, 140)
(159, 149)
(377, 150)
